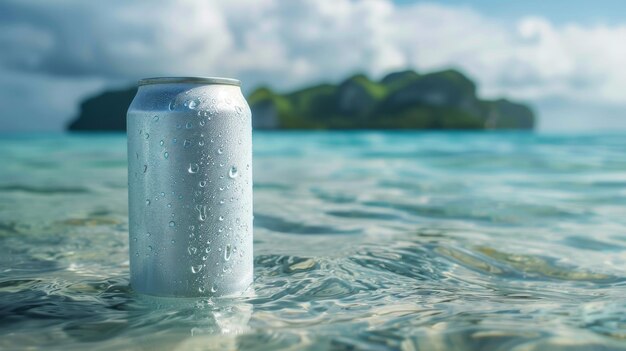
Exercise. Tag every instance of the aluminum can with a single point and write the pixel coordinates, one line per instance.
(190, 187)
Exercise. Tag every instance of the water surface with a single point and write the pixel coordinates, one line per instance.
(375, 241)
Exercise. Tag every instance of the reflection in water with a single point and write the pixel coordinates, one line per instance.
(380, 241)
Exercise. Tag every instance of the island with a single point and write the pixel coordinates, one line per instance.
(401, 100)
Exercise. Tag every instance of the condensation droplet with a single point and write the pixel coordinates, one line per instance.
(192, 250)
(162, 194)
(192, 104)
(172, 223)
(193, 168)
(161, 142)
(196, 269)
(201, 212)
(221, 218)
(202, 183)
(173, 241)
(145, 168)
(202, 123)
(147, 202)
(169, 205)
(186, 143)
(166, 155)
(150, 247)
(233, 173)
(146, 135)
(201, 143)
(213, 289)
(189, 125)
(155, 118)
(222, 201)
(172, 105)
(220, 151)
(228, 252)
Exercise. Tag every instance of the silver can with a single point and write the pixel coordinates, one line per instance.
(190, 187)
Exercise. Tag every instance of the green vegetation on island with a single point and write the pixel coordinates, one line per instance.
(401, 100)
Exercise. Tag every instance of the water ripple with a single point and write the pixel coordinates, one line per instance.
(368, 241)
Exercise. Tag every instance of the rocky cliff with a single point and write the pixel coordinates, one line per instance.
(401, 100)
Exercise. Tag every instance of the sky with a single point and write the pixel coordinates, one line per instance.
(564, 58)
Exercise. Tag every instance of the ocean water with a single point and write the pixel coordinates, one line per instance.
(363, 241)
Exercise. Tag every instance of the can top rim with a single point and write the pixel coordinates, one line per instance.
(190, 80)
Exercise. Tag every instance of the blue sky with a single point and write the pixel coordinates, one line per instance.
(559, 11)
(564, 58)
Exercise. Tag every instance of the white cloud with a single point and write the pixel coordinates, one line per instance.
(285, 44)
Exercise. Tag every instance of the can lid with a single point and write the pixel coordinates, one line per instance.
(190, 80)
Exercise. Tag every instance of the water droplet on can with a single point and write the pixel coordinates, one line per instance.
(172, 223)
(221, 218)
(166, 155)
(201, 212)
(202, 183)
(192, 104)
(145, 168)
(147, 202)
(186, 143)
(220, 151)
(193, 168)
(233, 173)
(155, 118)
(146, 135)
(189, 125)
(161, 142)
(196, 269)
(228, 252)
(192, 250)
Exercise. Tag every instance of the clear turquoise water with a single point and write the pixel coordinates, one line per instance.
(378, 241)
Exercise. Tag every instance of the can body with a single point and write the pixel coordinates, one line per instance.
(190, 188)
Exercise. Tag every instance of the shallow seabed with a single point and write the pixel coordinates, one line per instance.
(412, 241)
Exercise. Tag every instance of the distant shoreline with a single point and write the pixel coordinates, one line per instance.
(403, 100)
